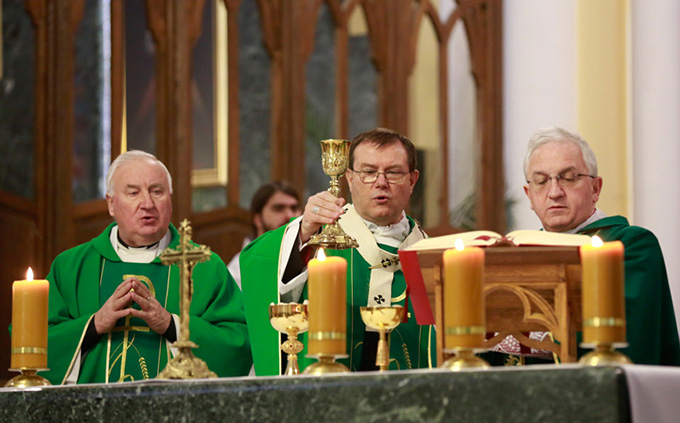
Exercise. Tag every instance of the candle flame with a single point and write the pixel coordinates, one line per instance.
(29, 274)
(460, 245)
(597, 241)
(321, 255)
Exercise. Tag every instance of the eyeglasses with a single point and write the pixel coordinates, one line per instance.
(565, 180)
(370, 176)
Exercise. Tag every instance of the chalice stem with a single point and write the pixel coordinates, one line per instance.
(292, 368)
(382, 356)
(335, 186)
(292, 347)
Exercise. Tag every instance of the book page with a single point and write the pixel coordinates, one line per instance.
(532, 237)
(470, 239)
(488, 238)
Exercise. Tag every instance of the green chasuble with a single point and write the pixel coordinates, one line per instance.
(411, 345)
(82, 278)
(651, 329)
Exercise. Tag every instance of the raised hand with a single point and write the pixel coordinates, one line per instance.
(321, 209)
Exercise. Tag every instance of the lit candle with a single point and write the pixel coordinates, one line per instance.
(29, 323)
(327, 308)
(604, 312)
(464, 310)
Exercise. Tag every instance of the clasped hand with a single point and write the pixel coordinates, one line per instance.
(119, 305)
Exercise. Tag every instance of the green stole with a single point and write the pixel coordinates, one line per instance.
(132, 348)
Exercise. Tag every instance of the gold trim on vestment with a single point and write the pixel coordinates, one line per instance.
(429, 348)
(600, 322)
(465, 330)
(128, 328)
(399, 298)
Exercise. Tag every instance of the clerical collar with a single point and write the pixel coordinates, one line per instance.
(392, 235)
(144, 254)
(597, 215)
(124, 244)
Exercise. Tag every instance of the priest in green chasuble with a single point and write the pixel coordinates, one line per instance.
(381, 176)
(563, 188)
(114, 308)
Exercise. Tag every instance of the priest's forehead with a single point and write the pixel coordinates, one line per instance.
(129, 157)
(383, 137)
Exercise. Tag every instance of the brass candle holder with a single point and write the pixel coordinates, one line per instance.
(292, 319)
(605, 354)
(335, 159)
(464, 358)
(27, 379)
(384, 319)
(326, 365)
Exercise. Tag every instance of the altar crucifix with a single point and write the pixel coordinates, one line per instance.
(185, 365)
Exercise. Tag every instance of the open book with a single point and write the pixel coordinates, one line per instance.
(489, 238)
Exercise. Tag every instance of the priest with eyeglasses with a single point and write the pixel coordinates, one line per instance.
(563, 187)
(381, 176)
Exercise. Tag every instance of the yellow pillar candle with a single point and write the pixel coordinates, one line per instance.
(604, 312)
(29, 323)
(464, 306)
(327, 307)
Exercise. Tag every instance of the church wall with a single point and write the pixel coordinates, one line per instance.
(655, 127)
(539, 84)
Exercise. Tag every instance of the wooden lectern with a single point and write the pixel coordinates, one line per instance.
(526, 289)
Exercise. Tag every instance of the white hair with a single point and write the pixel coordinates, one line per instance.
(131, 156)
(556, 134)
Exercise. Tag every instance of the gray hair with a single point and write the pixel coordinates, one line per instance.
(556, 134)
(131, 156)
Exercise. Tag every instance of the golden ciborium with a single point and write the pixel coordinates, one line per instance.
(335, 159)
(384, 319)
(291, 319)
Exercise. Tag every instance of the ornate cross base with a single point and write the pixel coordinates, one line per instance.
(186, 365)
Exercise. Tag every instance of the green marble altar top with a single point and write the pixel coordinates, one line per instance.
(542, 393)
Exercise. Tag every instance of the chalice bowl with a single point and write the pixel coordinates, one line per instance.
(335, 159)
(291, 319)
(384, 319)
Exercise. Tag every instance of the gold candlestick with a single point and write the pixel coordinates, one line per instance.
(335, 159)
(384, 319)
(464, 308)
(603, 307)
(185, 365)
(291, 319)
(27, 379)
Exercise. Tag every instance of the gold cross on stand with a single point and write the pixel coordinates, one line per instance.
(185, 365)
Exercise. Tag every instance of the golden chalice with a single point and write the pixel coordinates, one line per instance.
(384, 319)
(335, 159)
(290, 319)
